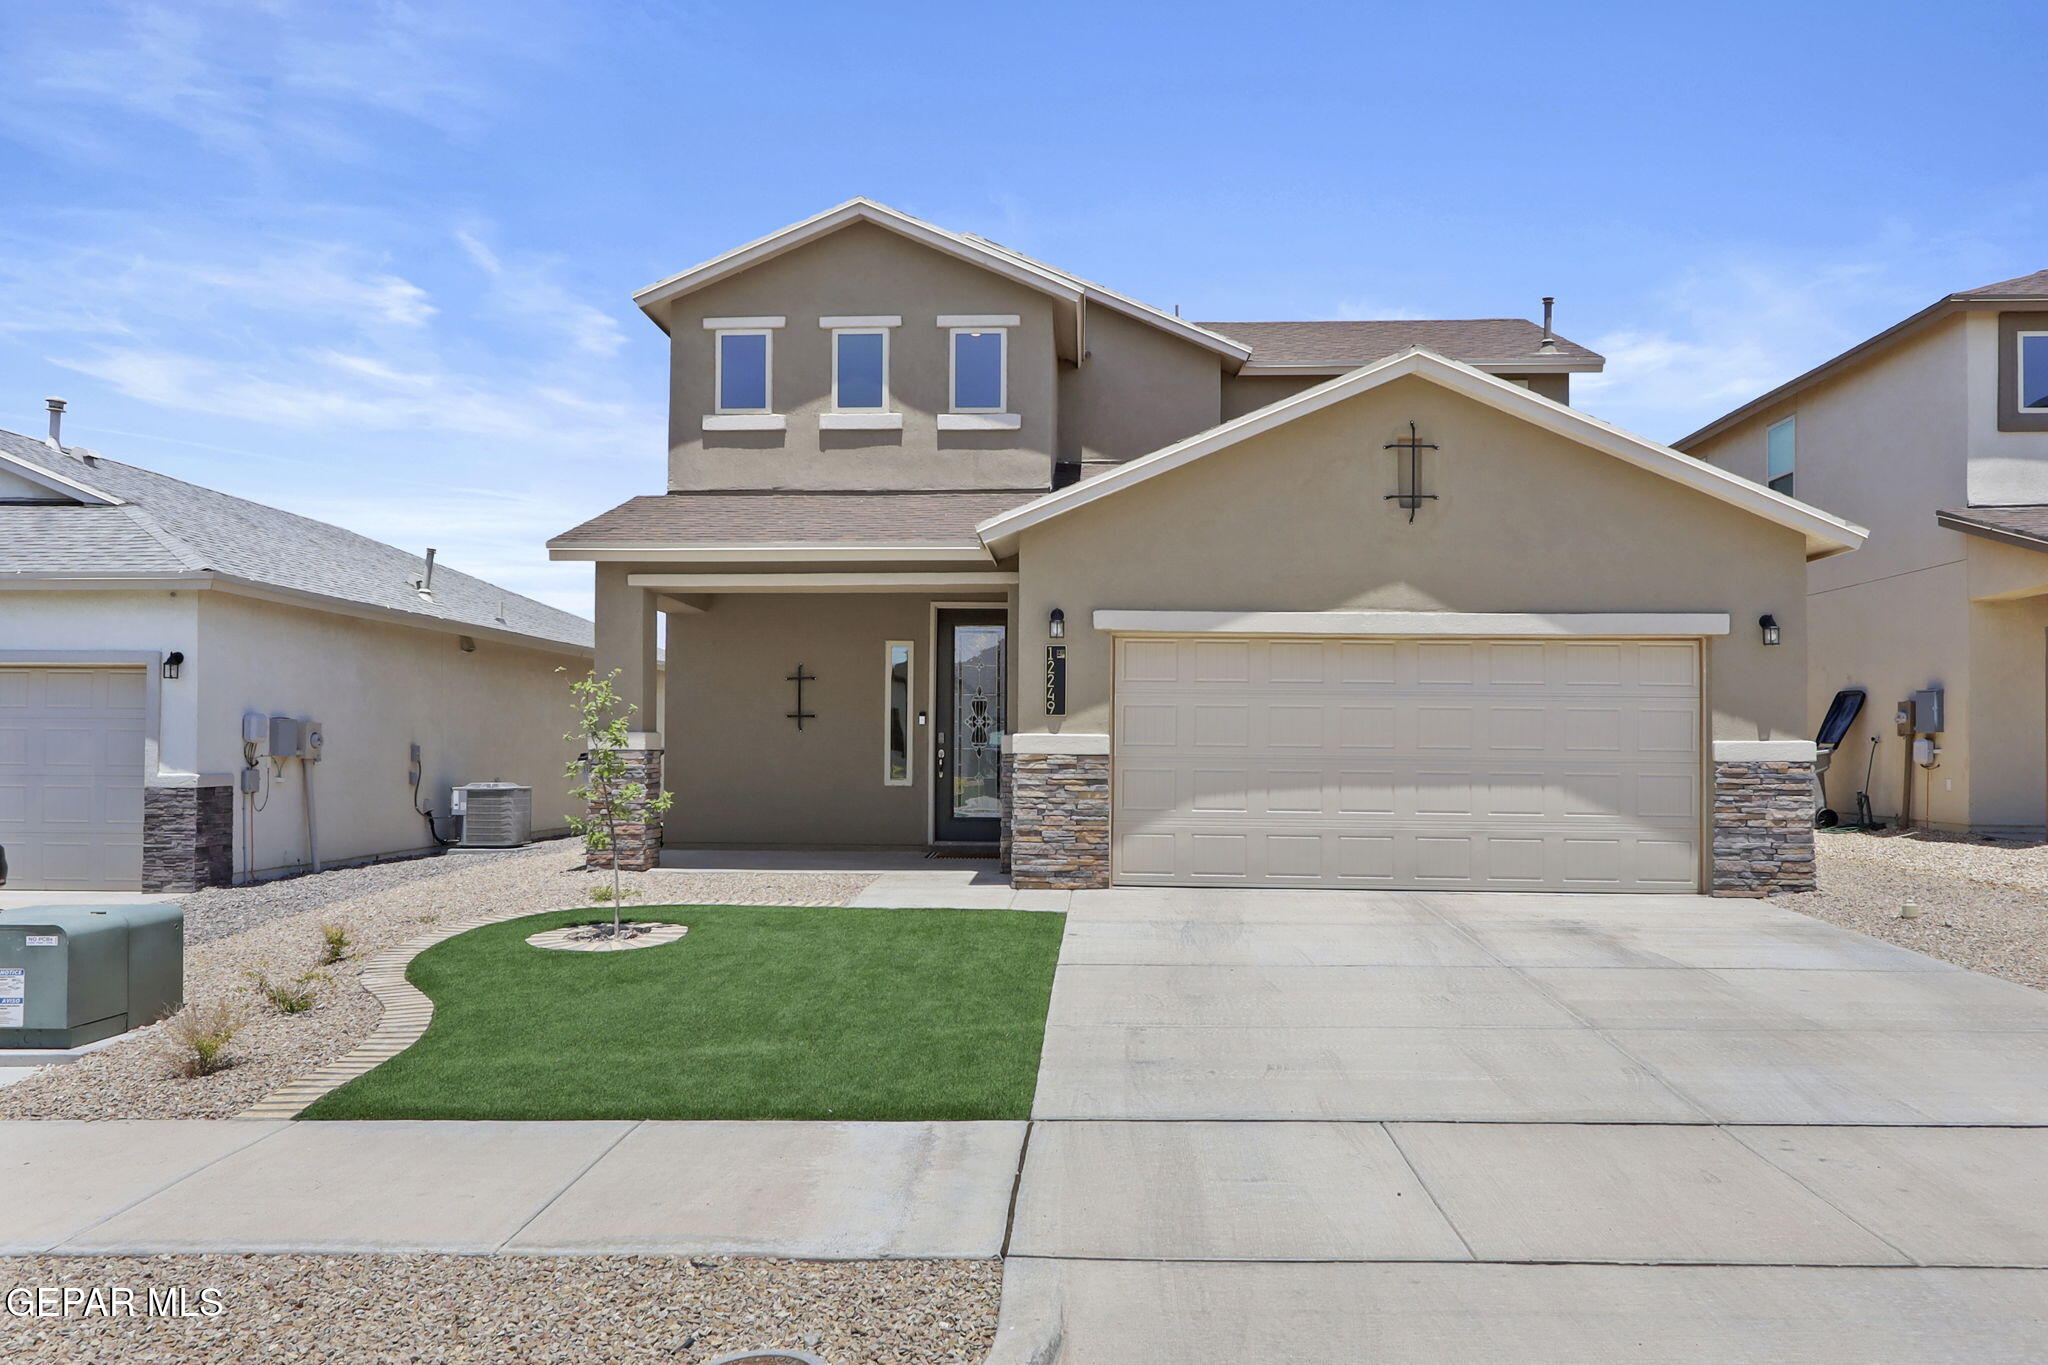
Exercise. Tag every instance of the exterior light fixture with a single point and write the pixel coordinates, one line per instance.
(173, 661)
(1769, 624)
(1056, 624)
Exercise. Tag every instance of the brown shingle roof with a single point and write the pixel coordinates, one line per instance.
(1350, 344)
(2034, 286)
(2025, 526)
(677, 520)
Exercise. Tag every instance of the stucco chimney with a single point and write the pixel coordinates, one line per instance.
(56, 406)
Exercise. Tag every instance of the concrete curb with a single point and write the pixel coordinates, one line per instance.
(407, 1012)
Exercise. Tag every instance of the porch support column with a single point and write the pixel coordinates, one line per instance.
(1059, 811)
(1763, 817)
(626, 618)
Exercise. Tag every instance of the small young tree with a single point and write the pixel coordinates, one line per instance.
(600, 775)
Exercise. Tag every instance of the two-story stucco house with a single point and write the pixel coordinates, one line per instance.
(1934, 434)
(959, 548)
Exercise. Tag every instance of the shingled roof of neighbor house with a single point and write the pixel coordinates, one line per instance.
(1346, 345)
(2034, 286)
(674, 521)
(130, 522)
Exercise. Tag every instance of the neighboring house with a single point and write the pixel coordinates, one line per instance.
(961, 549)
(1934, 434)
(143, 620)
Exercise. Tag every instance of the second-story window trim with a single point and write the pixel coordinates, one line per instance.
(2030, 370)
(851, 391)
(738, 354)
(1781, 454)
(977, 343)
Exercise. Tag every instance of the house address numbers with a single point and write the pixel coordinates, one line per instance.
(1055, 680)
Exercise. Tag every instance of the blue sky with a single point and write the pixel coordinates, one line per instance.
(372, 262)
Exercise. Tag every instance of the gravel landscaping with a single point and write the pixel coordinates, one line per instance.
(276, 928)
(1983, 904)
(529, 1310)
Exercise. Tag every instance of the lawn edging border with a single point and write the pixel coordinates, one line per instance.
(407, 1011)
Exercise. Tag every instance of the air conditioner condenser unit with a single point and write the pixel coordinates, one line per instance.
(494, 814)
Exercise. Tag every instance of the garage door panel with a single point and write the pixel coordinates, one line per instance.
(1600, 791)
(71, 779)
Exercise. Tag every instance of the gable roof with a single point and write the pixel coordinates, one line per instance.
(1825, 534)
(1512, 344)
(1070, 290)
(133, 523)
(712, 525)
(2031, 289)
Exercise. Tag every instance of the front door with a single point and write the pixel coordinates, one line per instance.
(967, 740)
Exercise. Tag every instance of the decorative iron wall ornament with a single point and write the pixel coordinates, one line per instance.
(800, 678)
(1411, 495)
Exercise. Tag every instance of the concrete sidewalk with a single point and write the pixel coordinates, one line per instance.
(826, 1191)
(1406, 1127)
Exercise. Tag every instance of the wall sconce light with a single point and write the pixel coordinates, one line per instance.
(1056, 624)
(1769, 624)
(173, 661)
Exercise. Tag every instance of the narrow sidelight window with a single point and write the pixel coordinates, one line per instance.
(896, 711)
(1781, 444)
(743, 364)
(978, 370)
(860, 370)
(2033, 371)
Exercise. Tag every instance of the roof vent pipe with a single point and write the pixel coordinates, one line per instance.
(1549, 342)
(424, 585)
(56, 406)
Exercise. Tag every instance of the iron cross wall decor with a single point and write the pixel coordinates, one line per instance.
(800, 678)
(1411, 495)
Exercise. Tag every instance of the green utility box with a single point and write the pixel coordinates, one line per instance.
(74, 974)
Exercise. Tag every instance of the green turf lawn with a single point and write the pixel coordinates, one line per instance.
(761, 1012)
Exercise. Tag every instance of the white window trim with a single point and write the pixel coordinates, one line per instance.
(748, 421)
(718, 371)
(741, 324)
(980, 322)
(2019, 372)
(979, 421)
(833, 324)
(860, 421)
(1002, 407)
(909, 647)
(1792, 472)
(883, 333)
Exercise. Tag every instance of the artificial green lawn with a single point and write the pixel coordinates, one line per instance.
(758, 1013)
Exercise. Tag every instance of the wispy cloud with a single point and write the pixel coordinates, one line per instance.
(526, 290)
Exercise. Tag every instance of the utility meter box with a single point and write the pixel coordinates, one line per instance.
(284, 737)
(1927, 709)
(74, 974)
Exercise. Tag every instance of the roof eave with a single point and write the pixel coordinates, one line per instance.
(807, 551)
(1508, 365)
(2003, 535)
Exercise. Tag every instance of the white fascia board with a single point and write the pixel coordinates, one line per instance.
(58, 483)
(1765, 751)
(760, 324)
(102, 580)
(1523, 366)
(1470, 624)
(862, 320)
(980, 320)
(757, 554)
(1123, 303)
(1825, 534)
(821, 582)
(831, 220)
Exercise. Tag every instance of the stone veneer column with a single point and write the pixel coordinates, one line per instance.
(639, 840)
(188, 837)
(1059, 821)
(1763, 825)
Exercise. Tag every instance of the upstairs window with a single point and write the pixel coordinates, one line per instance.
(1781, 444)
(744, 359)
(860, 369)
(980, 380)
(2033, 371)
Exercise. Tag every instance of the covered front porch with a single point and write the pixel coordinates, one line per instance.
(858, 712)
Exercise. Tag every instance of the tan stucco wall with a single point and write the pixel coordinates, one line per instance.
(496, 715)
(862, 270)
(2003, 732)
(1295, 520)
(741, 771)
(1138, 389)
(1243, 394)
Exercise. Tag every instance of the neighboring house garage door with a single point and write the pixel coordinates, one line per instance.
(1554, 765)
(71, 778)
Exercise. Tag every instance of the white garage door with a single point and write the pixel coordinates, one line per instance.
(71, 778)
(1555, 765)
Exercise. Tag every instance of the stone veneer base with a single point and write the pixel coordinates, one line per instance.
(188, 837)
(639, 841)
(1059, 821)
(1763, 827)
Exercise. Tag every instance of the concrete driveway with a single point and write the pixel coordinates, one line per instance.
(1406, 1127)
